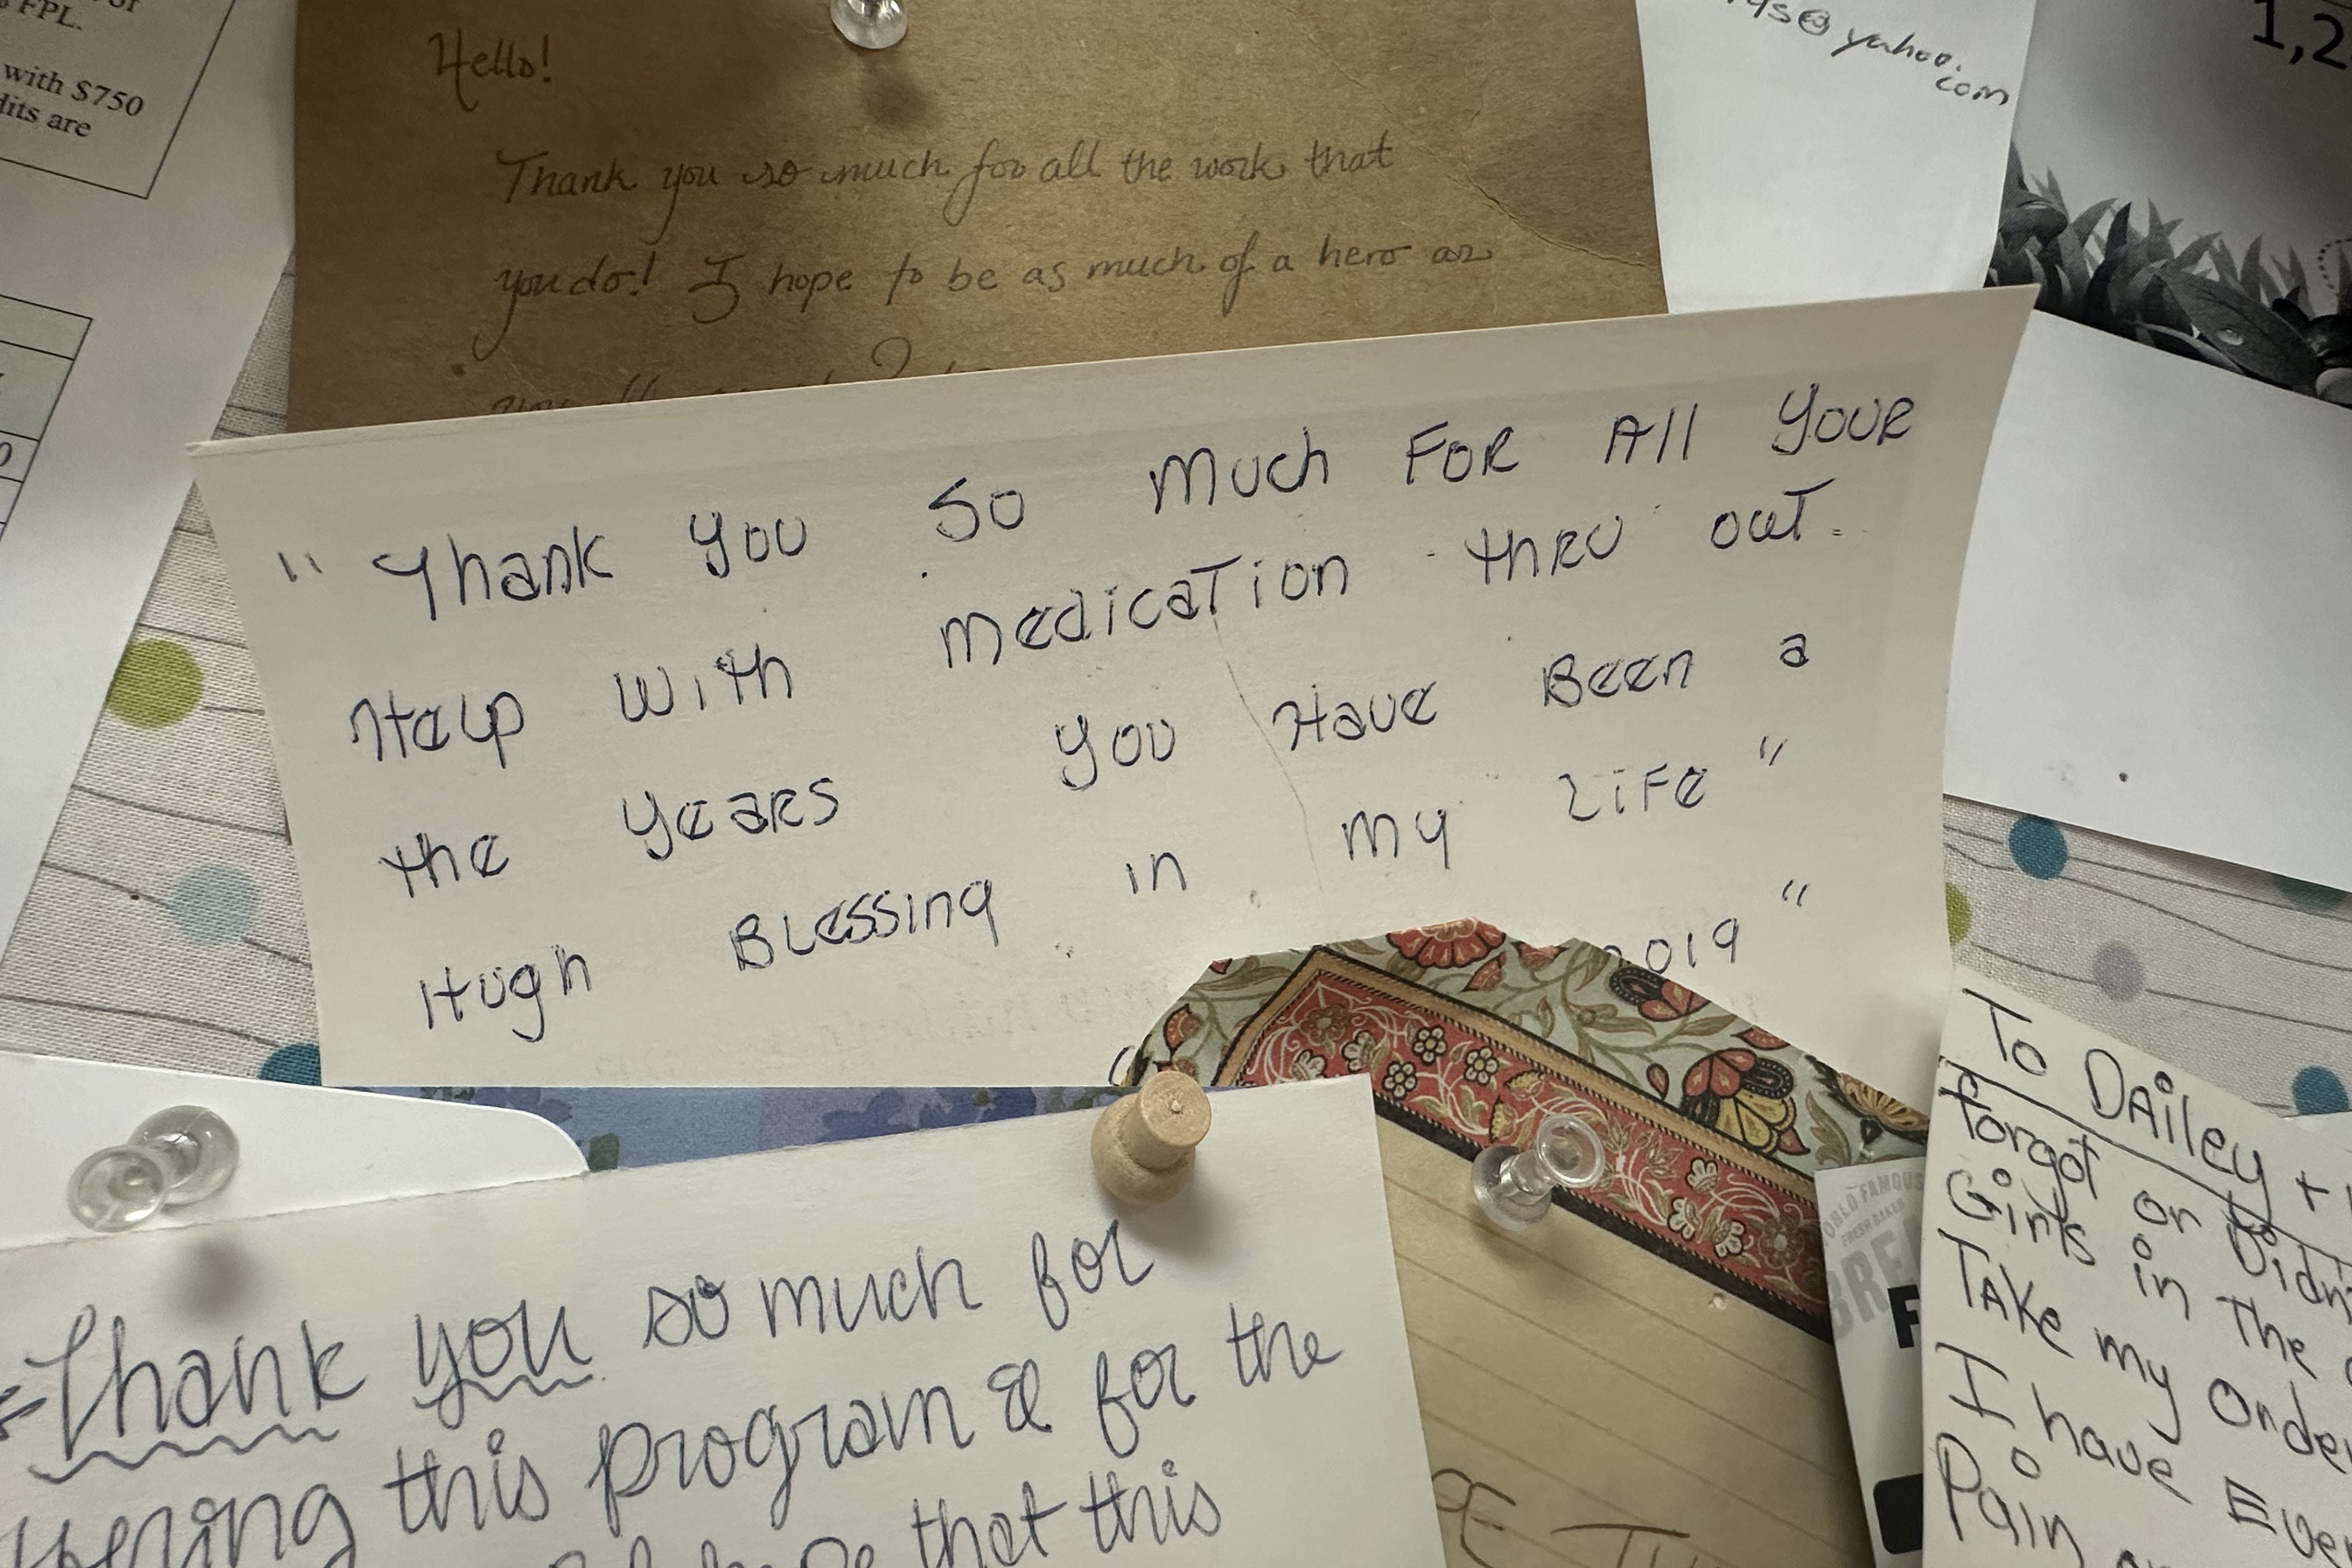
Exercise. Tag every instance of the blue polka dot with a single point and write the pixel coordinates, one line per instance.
(2037, 845)
(297, 1063)
(215, 904)
(2319, 1092)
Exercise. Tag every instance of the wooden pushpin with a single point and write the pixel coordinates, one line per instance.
(1143, 1143)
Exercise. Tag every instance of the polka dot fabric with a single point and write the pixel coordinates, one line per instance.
(2238, 976)
(164, 926)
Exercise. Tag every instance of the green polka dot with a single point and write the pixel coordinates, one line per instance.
(1956, 913)
(2312, 896)
(157, 683)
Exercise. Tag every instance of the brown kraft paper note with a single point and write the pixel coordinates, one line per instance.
(520, 204)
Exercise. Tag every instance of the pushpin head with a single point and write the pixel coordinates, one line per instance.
(195, 1145)
(118, 1188)
(870, 24)
(1515, 1186)
(1143, 1143)
(175, 1157)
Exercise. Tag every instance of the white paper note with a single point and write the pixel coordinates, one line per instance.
(943, 1348)
(2152, 640)
(858, 734)
(1870, 1246)
(2133, 1299)
(2116, 663)
(146, 209)
(1804, 151)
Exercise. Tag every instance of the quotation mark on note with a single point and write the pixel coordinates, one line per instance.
(294, 576)
(1767, 750)
(1793, 892)
(7, 1415)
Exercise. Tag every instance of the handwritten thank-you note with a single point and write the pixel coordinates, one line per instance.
(916, 732)
(2134, 1298)
(948, 1349)
(622, 202)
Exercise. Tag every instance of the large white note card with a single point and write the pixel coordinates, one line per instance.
(910, 732)
(944, 1348)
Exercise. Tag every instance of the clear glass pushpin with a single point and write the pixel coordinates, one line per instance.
(870, 24)
(1515, 1186)
(175, 1158)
